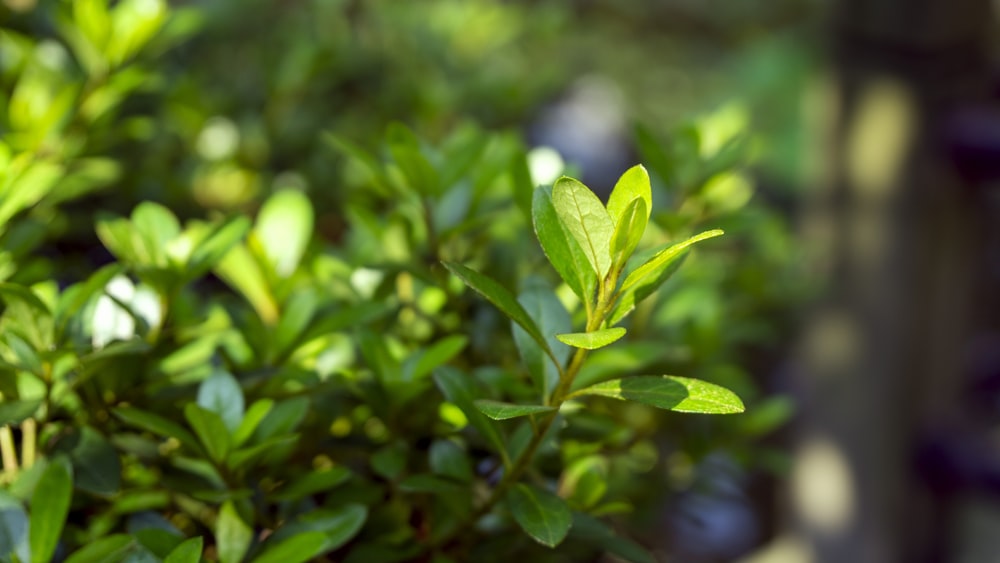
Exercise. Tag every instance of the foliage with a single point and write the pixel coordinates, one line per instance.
(256, 368)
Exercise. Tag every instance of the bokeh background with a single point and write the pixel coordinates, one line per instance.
(851, 150)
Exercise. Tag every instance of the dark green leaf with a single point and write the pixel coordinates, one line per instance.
(503, 411)
(188, 551)
(109, 549)
(425, 483)
(681, 394)
(96, 466)
(561, 248)
(541, 514)
(544, 307)
(502, 299)
(424, 362)
(592, 340)
(232, 534)
(49, 508)
(449, 459)
(586, 219)
(157, 425)
(590, 530)
(14, 525)
(210, 429)
(458, 389)
(312, 483)
(337, 525)
(390, 461)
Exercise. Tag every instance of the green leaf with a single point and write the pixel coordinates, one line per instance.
(312, 483)
(109, 549)
(210, 429)
(584, 481)
(503, 411)
(232, 534)
(645, 279)
(548, 312)
(254, 415)
(628, 233)
(296, 315)
(155, 226)
(592, 340)
(458, 387)
(426, 483)
(284, 228)
(188, 551)
(502, 299)
(561, 248)
(541, 514)
(215, 245)
(424, 362)
(585, 218)
(632, 185)
(405, 148)
(590, 530)
(157, 425)
(14, 525)
(14, 293)
(681, 394)
(449, 459)
(337, 525)
(390, 461)
(49, 508)
(15, 411)
(221, 393)
(240, 270)
(296, 549)
(96, 465)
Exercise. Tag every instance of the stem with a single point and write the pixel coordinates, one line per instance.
(29, 432)
(7, 451)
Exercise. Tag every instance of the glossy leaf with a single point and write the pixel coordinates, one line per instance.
(561, 248)
(628, 232)
(592, 340)
(681, 394)
(502, 299)
(585, 218)
(188, 551)
(503, 411)
(633, 184)
(49, 508)
(645, 279)
(232, 534)
(541, 514)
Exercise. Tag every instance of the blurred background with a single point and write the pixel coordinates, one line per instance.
(851, 150)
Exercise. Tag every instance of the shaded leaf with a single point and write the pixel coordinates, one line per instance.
(681, 394)
(592, 531)
(449, 459)
(157, 425)
(210, 429)
(544, 307)
(541, 514)
(296, 549)
(458, 389)
(312, 483)
(15, 411)
(109, 549)
(592, 340)
(221, 393)
(503, 411)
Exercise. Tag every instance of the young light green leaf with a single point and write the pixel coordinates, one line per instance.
(49, 508)
(542, 305)
(680, 394)
(284, 227)
(561, 248)
(645, 279)
(232, 534)
(240, 270)
(502, 299)
(211, 430)
(628, 233)
(155, 226)
(189, 551)
(583, 215)
(295, 549)
(592, 340)
(632, 185)
(503, 411)
(215, 245)
(541, 514)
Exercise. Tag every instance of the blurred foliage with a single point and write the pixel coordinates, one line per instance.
(225, 316)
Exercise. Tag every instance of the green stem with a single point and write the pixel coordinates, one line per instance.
(7, 451)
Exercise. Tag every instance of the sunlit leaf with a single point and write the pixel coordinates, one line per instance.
(284, 228)
(681, 394)
(586, 219)
(232, 534)
(592, 340)
(632, 185)
(561, 248)
(628, 233)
